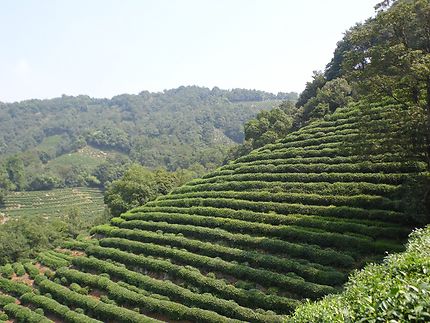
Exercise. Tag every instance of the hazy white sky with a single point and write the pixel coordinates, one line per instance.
(107, 47)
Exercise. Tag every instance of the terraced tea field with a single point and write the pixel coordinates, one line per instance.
(248, 242)
(55, 203)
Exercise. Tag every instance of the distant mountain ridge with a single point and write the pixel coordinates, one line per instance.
(176, 129)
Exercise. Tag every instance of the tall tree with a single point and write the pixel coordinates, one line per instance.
(389, 56)
(140, 185)
(14, 167)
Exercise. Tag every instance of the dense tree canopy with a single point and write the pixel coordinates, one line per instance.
(385, 58)
(140, 185)
(184, 128)
(266, 128)
(389, 56)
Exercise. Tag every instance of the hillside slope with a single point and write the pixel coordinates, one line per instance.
(174, 128)
(247, 242)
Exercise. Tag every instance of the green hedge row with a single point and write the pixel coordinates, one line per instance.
(63, 255)
(374, 110)
(311, 252)
(314, 137)
(51, 260)
(14, 288)
(358, 201)
(309, 157)
(24, 314)
(325, 276)
(342, 118)
(18, 268)
(353, 243)
(77, 245)
(333, 149)
(348, 118)
(345, 189)
(369, 228)
(193, 277)
(393, 179)
(385, 158)
(321, 126)
(282, 148)
(172, 310)
(315, 140)
(285, 146)
(174, 292)
(6, 299)
(324, 127)
(293, 153)
(317, 132)
(101, 310)
(31, 270)
(7, 270)
(263, 277)
(286, 208)
(357, 167)
(56, 308)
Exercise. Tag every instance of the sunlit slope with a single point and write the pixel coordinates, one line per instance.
(247, 242)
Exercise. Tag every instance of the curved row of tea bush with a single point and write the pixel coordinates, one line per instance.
(52, 306)
(391, 179)
(185, 296)
(374, 229)
(190, 275)
(264, 277)
(286, 208)
(175, 311)
(359, 201)
(325, 188)
(275, 246)
(312, 272)
(291, 233)
(101, 310)
(361, 167)
(24, 314)
(52, 259)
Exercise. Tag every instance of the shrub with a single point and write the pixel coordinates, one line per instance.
(398, 290)
(18, 269)
(31, 270)
(7, 270)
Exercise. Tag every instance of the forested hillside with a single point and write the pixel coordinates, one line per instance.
(63, 140)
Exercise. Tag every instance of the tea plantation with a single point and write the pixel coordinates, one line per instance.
(248, 242)
(54, 202)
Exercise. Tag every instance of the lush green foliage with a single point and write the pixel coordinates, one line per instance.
(24, 237)
(140, 185)
(64, 141)
(387, 56)
(247, 242)
(396, 290)
(34, 221)
(255, 238)
(266, 128)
